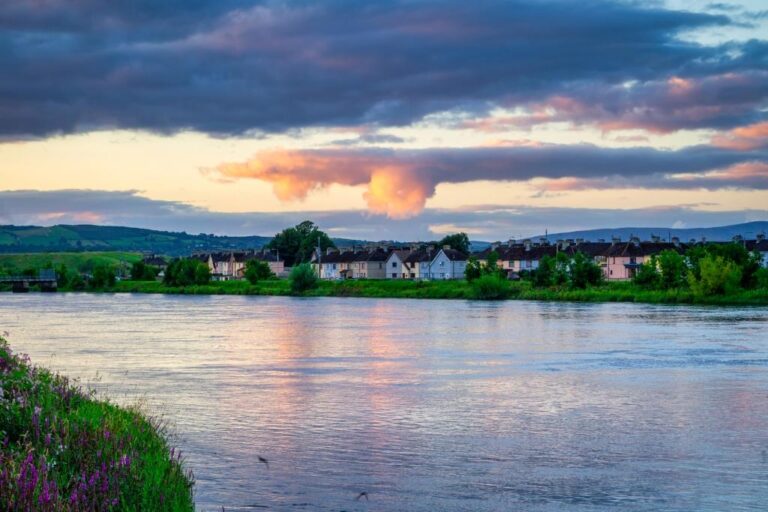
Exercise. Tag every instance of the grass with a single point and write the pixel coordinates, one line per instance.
(77, 261)
(459, 289)
(62, 449)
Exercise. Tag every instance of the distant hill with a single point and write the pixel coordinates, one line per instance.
(65, 238)
(715, 234)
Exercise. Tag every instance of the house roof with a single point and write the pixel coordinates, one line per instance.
(454, 255)
(630, 249)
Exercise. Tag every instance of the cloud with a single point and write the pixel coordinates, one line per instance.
(400, 182)
(484, 222)
(743, 138)
(237, 66)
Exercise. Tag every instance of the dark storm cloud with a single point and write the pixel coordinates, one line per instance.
(226, 67)
(489, 222)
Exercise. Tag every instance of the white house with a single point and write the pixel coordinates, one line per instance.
(448, 264)
(395, 265)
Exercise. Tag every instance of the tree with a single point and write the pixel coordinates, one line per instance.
(717, 276)
(473, 270)
(584, 271)
(62, 276)
(544, 275)
(303, 278)
(140, 271)
(672, 269)
(458, 241)
(103, 277)
(257, 270)
(186, 272)
(296, 244)
(648, 276)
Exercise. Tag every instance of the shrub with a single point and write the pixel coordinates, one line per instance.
(187, 272)
(584, 271)
(257, 270)
(303, 278)
(473, 269)
(648, 275)
(140, 271)
(717, 276)
(103, 277)
(490, 287)
(672, 269)
(761, 278)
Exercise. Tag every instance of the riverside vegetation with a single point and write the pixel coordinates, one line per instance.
(711, 274)
(63, 449)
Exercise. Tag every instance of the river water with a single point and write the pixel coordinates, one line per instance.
(430, 405)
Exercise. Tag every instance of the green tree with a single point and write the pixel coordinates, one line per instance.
(473, 270)
(187, 272)
(584, 271)
(544, 275)
(103, 277)
(140, 271)
(672, 269)
(303, 278)
(296, 244)
(717, 276)
(648, 276)
(257, 270)
(62, 276)
(457, 241)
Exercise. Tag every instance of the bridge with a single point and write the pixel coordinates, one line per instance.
(46, 279)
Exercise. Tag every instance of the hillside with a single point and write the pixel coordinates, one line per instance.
(715, 234)
(112, 238)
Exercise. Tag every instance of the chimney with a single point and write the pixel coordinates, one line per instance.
(329, 251)
(431, 248)
(446, 247)
(615, 239)
(692, 241)
(527, 244)
(495, 245)
(738, 238)
(579, 240)
(511, 242)
(543, 241)
(601, 240)
(675, 241)
(703, 239)
(655, 239)
(760, 237)
(635, 241)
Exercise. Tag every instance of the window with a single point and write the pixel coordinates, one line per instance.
(394, 264)
(394, 275)
(334, 266)
(442, 263)
(381, 265)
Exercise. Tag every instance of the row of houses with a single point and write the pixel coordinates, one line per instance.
(422, 262)
(225, 266)
(619, 260)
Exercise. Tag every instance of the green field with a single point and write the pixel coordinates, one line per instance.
(74, 261)
(460, 289)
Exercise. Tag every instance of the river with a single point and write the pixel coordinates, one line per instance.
(430, 405)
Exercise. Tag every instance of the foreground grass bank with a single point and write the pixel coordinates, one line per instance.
(62, 449)
(460, 289)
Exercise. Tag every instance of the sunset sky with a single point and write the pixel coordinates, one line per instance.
(383, 119)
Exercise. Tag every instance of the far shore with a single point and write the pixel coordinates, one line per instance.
(456, 289)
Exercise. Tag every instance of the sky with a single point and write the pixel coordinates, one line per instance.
(385, 119)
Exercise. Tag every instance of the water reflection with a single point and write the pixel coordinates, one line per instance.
(431, 405)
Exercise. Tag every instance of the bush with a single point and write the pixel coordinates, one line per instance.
(672, 269)
(473, 269)
(140, 271)
(761, 278)
(303, 278)
(103, 277)
(490, 287)
(648, 275)
(187, 272)
(584, 271)
(717, 276)
(257, 270)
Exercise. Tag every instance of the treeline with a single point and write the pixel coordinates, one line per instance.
(712, 269)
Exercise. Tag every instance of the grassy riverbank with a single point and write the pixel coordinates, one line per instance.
(460, 289)
(62, 449)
